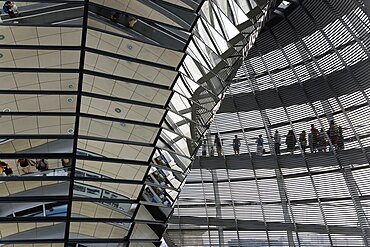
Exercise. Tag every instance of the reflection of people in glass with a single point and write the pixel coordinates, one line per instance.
(5, 168)
(66, 162)
(42, 165)
(11, 9)
(25, 165)
(158, 177)
(159, 161)
(150, 195)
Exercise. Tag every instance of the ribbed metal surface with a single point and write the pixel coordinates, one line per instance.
(310, 68)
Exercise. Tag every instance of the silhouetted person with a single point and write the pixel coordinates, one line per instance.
(236, 145)
(303, 141)
(277, 142)
(259, 145)
(322, 141)
(204, 148)
(218, 145)
(333, 133)
(315, 135)
(290, 141)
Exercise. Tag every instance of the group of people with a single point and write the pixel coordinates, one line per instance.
(11, 9)
(236, 145)
(26, 164)
(218, 144)
(316, 141)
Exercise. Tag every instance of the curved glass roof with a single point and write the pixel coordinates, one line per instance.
(310, 66)
(104, 104)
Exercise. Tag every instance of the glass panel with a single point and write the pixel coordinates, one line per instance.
(115, 150)
(120, 191)
(129, 69)
(38, 81)
(121, 110)
(28, 35)
(24, 58)
(86, 168)
(38, 146)
(32, 231)
(34, 188)
(118, 131)
(125, 90)
(43, 125)
(35, 167)
(102, 230)
(37, 103)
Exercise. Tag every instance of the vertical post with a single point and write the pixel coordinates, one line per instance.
(77, 120)
(280, 180)
(311, 71)
(284, 203)
(216, 193)
(353, 191)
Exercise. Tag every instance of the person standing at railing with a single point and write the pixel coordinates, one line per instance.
(340, 145)
(322, 141)
(218, 145)
(236, 145)
(333, 133)
(204, 148)
(259, 145)
(277, 142)
(290, 141)
(303, 141)
(315, 135)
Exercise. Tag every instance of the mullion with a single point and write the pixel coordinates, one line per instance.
(85, 115)
(77, 120)
(40, 47)
(86, 94)
(28, 219)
